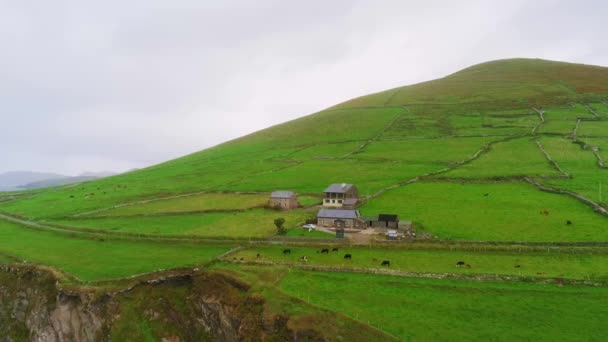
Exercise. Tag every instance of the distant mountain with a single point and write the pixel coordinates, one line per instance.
(10, 181)
(27, 180)
(55, 182)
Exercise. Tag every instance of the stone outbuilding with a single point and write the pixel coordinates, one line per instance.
(341, 196)
(340, 218)
(283, 200)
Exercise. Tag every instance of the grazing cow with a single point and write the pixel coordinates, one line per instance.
(568, 222)
(258, 255)
(468, 266)
(486, 195)
(303, 258)
(348, 256)
(335, 249)
(287, 251)
(386, 263)
(460, 264)
(517, 266)
(324, 251)
(242, 259)
(546, 212)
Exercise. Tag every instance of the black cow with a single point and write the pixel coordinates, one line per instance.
(287, 251)
(386, 263)
(258, 255)
(335, 249)
(517, 266)
(325, 251)
(460, 264)
(348, 256)
(568, 222)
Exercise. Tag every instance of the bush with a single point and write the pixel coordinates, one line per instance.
(279, 223)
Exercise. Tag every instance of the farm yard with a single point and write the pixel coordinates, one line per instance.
(506, 192)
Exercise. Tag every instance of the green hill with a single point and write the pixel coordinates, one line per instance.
(502, 165)
(476, 155)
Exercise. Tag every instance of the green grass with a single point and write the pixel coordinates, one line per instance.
(585, 264)
(582, 165)
(302, 232)
(558, 127)
(429, 151)
(249, 223)
(202, 202)
(90, 259)
(326, 151)
(602, 143)
(510, 212)
(593, 129)
(509, 83)
(449, 310)
(315, 176)
(515, 158)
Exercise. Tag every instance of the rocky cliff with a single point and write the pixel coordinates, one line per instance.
(191, 306)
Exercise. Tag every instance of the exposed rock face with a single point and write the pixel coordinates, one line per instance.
(185, 307)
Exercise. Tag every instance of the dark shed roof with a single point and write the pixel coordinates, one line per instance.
(339, 188)
(388, 218)
(282, 194)
(338, 213)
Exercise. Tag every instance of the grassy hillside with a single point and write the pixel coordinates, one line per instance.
(499, 121)
(503, 154)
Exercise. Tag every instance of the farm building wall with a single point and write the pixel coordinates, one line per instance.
(285, 203)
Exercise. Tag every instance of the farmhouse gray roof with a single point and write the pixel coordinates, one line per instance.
(282, 194)
(338, 213)
(339, 188)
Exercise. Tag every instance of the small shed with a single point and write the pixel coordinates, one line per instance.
(283, 199)
(389, 221)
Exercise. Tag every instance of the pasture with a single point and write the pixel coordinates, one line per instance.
(501, 211)
(582, 165)
(581, 264)
(201, 202)
(226, 224)
(451, 310)
(99, 259)
(515, 158)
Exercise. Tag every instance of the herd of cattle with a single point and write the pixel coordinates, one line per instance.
(349, 256)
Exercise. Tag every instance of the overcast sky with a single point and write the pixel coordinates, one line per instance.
(115, 85)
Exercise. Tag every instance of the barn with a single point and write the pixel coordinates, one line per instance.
(283, 200)
(340, 218)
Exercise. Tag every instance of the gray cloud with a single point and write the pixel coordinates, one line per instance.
(116, 85)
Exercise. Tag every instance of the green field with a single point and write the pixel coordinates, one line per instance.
(449, 310)
(202, 202)
(594, 129)
(583, 264)
(99, 259)
(582, 165)
(509, 212)
(248, 223)
(515, 158)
